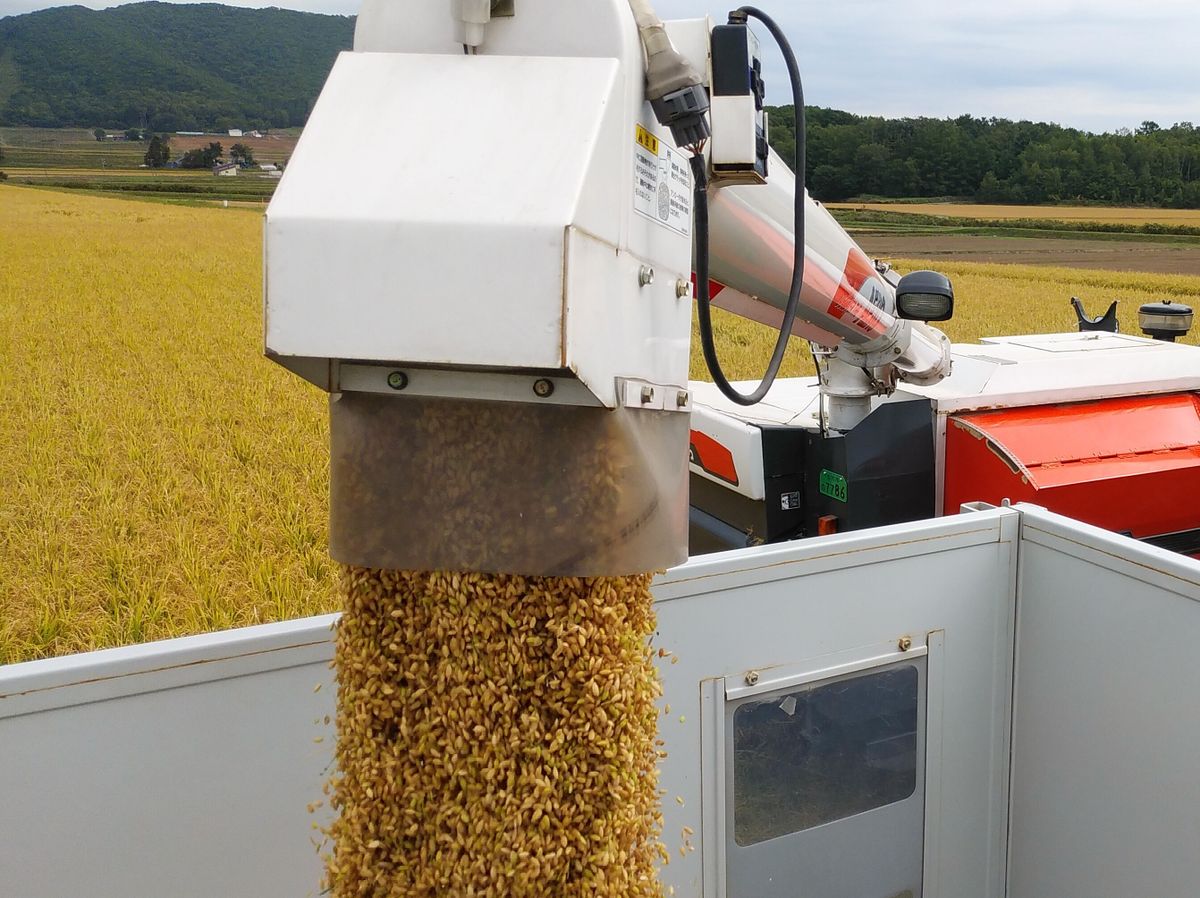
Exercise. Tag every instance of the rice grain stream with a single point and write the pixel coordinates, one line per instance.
(496, 737)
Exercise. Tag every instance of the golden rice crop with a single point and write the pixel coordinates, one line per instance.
(1002, 300)
(496, 737)
(1109, 214)
(991, 300)
(158, 477)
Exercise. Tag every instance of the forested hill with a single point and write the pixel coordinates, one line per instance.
(994, 160)
(165, 66)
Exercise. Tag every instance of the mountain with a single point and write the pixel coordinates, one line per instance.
(166, 66)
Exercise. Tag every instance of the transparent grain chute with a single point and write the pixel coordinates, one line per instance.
(465, 485)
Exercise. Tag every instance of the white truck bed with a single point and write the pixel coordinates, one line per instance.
(1056, 744)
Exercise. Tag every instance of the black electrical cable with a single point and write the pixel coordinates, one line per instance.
(700, 173)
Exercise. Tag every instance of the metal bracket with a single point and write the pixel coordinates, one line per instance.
(483, 385)
(633, 393)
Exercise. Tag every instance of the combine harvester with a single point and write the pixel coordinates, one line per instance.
(995, 703)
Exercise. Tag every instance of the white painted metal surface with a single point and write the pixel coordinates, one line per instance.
(1003, 372)
(180, 768)
(806, 604)
(744, 442)
(518, 234)
(733, 127)
(792, 401)
(501, 238)
(1105, 792)
(185, 768)
(1039, 369)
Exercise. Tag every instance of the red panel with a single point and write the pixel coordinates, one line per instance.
(847, 301)
(1129, 464)
(713, 457)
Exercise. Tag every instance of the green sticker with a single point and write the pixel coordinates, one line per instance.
(833, 485)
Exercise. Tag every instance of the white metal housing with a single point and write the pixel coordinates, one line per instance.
(520, 210)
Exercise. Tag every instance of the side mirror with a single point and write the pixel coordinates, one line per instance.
(925, 296)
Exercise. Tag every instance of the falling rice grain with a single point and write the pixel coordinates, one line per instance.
(495, 736)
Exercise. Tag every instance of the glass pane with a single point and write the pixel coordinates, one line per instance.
(818, 753)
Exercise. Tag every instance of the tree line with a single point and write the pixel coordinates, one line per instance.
(993, 160)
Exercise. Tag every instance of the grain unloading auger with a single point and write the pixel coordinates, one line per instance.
(500, 303)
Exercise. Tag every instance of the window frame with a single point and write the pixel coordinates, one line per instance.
(917, 683)
(721, 696)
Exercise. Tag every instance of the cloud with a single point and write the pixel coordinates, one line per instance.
(1100, 64)
(1095, 64)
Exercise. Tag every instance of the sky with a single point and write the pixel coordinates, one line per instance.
(1099, 65)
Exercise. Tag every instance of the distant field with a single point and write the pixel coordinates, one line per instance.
(72, 159)
(1186, 217)
(1129, 254)
(277, 147)
(47, 137)
(66, 148)
(184, 187)
(1002, 300)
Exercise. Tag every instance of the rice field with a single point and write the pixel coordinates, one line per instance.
(1101, 214)
(991, 300)
(159, 478)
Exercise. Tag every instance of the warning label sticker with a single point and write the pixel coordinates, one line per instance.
(662, 183)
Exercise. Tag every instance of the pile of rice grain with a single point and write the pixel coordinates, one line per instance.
(496, 737)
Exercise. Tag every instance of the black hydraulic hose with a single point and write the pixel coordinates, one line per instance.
(703, 297)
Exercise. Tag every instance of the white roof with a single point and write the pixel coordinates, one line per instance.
(1003, 372)
(792, 400)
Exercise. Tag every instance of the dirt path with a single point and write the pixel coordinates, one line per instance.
(1114, 255)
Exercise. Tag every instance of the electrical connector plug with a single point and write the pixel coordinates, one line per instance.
(683, 111)
(675, 90)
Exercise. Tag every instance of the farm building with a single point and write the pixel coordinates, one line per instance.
(226, 170)
(235, 132)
